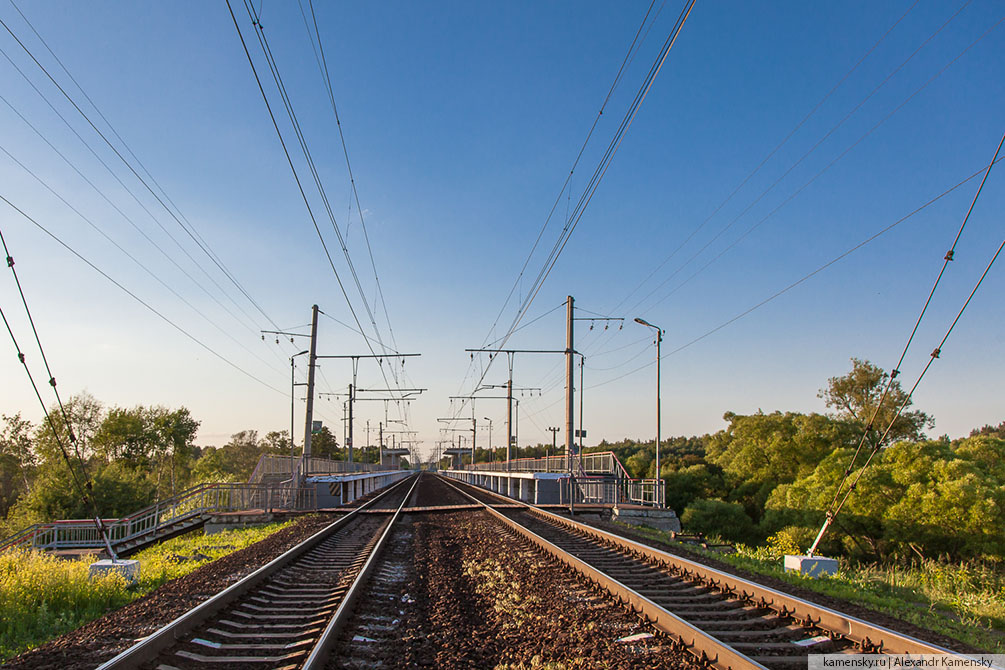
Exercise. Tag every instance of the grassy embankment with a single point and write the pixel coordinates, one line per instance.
(42, 597)
(964, 601)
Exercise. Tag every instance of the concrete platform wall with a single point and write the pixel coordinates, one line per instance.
(338, 490)
(536, 488)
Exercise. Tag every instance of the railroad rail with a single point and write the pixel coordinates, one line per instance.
(287, 613)
(726, 621)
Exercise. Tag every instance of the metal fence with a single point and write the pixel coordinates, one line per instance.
(591, 491)
(164, 516)
(276, 467)
(595, 463)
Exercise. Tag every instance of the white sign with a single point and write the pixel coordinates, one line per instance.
(905, 662)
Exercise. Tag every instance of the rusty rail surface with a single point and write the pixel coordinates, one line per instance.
(865, 636)
(151, 647)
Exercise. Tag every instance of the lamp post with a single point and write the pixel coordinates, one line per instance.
(293, 398)
(492, 453)
(659, 339)
(554, 448)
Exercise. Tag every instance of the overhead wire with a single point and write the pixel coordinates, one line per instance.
(949, 257)
(785, 141)
(226, 333)
(802, 279)
(135, 297)
(831, 164)
(287, 102)
(171, 259)
(598, 174)
(270, 59)
(348, 165)
(187, 228)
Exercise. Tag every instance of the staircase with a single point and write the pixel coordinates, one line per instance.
(163, 520)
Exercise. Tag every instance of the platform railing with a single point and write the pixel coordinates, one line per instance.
(276, 465)
(163, 516)
(597, 491)
(599, 462)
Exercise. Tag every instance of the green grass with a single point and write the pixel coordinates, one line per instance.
(42, 596)
(965, 601)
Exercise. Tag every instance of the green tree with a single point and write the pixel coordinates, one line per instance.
(17, 462)
(324, 445)
(759, 452)
(85, 414)
(716, 517)
(694, 482)
(277, 442)
(856, 396)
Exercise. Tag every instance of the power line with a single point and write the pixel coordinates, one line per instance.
(188, 229)
(781, 144)
(116, 177)
(617, 79)
(599, 172)
(125, 216)
(138, 299)
(88, 500)
(903, 354)
(139, 263)
(348, 165)
(287, 102)
(802, 279)
(827, 167)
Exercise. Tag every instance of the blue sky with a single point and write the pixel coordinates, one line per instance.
(462, 122)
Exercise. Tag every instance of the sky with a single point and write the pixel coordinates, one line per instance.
(774, 139)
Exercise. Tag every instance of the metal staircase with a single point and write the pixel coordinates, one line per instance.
(162, 520)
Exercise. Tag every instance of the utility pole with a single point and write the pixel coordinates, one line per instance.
(659, 340)
(570, 414)
(509, 415)
(348, 442)
(554, 446)
(309, 421)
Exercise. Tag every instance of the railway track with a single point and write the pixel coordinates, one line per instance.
(286, 614)
(726, 621)
(295, 612)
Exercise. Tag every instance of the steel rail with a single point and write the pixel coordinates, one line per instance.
(870, 637)
(318, 658)
(150, 647)
(698, 642)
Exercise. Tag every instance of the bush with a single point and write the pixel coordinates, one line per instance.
(715, 517)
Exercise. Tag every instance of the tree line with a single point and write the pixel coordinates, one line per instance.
(133, 456)
(772, 476)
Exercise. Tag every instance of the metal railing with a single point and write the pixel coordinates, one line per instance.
(163, 516)
(597, 491)
(278, 467)
(599, 462)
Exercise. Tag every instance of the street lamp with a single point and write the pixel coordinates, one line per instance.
(492, 454)
(659, 339)
(293, 394)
